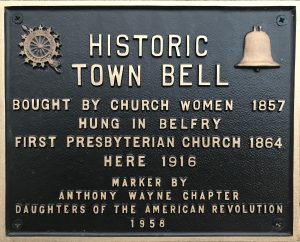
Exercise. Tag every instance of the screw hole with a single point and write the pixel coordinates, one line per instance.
(17, 18)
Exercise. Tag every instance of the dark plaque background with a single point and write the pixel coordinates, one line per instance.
(260, 176)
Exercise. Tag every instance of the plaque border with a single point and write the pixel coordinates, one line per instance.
(296, 152)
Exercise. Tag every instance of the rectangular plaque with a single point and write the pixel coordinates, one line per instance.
(151, 121)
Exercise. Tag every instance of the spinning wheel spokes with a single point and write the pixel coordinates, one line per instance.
(40, 46)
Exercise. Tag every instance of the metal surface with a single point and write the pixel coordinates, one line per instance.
(260, 176)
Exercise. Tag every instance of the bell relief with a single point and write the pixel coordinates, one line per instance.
(257, 50)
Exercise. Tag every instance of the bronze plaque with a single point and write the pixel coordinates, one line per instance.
(160, 121)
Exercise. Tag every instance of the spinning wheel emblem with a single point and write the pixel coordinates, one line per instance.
(40, 46)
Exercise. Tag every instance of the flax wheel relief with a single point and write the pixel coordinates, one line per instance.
(40, 47)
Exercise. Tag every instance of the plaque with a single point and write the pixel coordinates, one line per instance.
(158, 121)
